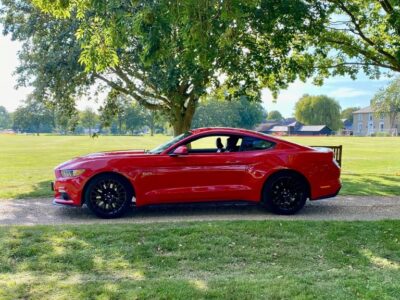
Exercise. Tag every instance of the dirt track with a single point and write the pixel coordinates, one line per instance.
(41, 211)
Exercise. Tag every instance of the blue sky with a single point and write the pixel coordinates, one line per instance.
(345, 90)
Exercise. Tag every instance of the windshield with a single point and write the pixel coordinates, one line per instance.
(166, 145)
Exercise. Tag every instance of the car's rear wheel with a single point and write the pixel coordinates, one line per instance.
(285, 193)
(108, 195)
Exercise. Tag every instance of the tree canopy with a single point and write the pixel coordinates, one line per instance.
(318, 110)
(358, 35)
(235, 113)
(164, 54)
(274, 115)
(33, 117)
(167, 54)
(348, 113)
(5, 118)
(387, 101)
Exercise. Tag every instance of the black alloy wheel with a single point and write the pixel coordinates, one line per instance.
(108, 196)
(285, 194)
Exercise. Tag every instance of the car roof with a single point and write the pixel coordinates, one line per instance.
(230, 130)
(224, 129)
(239, 131)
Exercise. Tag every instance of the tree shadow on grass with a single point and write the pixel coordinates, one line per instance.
(40, 189)
(239, 260)
(370, 184)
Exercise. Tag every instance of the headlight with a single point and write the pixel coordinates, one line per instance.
(72, 173)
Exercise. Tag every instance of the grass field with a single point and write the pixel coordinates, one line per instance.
(231, 260)
(370, 165)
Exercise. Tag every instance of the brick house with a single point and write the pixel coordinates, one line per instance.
(366, 122)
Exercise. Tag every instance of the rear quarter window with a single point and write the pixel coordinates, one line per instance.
(252, 144)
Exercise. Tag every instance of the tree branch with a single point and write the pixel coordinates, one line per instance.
(366, 54)
(362, 35)
(386, 6)
(132, 86)
(131, 93)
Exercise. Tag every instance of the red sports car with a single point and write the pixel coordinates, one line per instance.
(207, 164)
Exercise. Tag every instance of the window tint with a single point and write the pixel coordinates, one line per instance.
(215, 144)
(251, 143)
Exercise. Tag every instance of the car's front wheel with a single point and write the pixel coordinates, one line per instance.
(108, 195)
(285, 193)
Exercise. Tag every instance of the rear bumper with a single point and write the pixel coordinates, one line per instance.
(329, 195)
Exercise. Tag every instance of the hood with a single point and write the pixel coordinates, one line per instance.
(114, 153)
(75, 162)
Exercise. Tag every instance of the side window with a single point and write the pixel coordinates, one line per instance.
(215, 144)
(251, 144)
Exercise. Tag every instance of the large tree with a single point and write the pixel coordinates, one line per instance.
(347, 113)
(387, 102)
(235, 113)
(164, 54)
(33, 116)
(88, 119)
(5, 118)
(274, 115)
(318, 110)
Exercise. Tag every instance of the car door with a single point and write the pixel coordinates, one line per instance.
(201, 175)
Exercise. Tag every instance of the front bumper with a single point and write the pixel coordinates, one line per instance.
(67, 191)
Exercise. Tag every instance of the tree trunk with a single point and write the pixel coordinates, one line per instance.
(183, 121)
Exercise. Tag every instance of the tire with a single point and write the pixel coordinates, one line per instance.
(108, 196)
(285, 193)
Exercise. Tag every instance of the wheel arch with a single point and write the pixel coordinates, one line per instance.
(121, 176)
(286, 172)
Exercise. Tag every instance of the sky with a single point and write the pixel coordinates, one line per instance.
(346, 91)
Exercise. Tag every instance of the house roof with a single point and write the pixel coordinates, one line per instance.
(266, 126)
(279, 128)
(364, 110)
(312, 127)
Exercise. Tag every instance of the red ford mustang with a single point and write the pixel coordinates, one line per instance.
(207, 164)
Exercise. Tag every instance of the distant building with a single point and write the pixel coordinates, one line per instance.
(293, 127)
(347, 127)
(366, 122)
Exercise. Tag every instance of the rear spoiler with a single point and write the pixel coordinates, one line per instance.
(337, 152)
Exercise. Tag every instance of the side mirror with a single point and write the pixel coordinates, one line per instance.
(181, 150)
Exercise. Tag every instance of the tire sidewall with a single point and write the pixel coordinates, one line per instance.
(267, 202)
(102, 214)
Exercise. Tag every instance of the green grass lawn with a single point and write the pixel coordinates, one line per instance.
(370, 165)
(233, 260)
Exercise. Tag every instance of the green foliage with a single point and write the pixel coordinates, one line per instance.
(5, 118)
(88, 119)
(318, 110)
(49, 55)
(358, 35)
(122, 113)
(348, 113)
(166, 54)
(274, 115)
(235, 113)
(387, 101)
(136, 117)
(33, 117)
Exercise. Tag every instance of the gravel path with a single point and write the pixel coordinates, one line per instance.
(41, 211)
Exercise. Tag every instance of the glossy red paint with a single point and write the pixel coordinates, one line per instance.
(169, 177)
